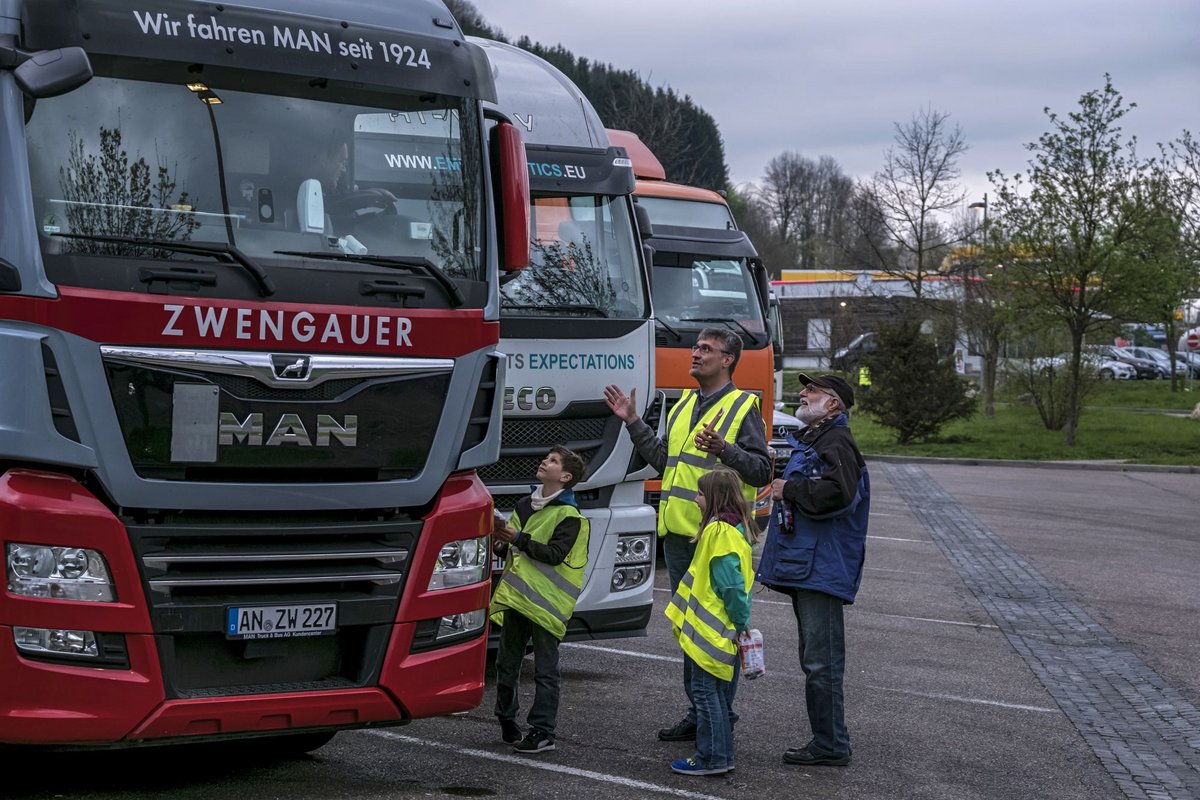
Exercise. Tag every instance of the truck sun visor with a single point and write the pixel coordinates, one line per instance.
(267, 40)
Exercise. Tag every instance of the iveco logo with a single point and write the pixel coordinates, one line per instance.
(526, 398)
(290, 367)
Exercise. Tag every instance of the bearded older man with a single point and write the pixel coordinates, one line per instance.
(814, 553)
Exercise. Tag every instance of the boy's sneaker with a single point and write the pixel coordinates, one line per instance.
(510, 731)
(682, 731)
(686, 766)
(534, 742)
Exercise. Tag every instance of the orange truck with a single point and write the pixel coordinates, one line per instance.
(706, 273)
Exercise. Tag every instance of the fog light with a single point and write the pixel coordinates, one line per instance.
(461, 624)
(57, 641)
(626, 578)
(460, 563)
(58, 573)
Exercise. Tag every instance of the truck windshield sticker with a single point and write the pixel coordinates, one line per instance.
(296, 39)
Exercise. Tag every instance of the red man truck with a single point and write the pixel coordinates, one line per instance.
(249, 312)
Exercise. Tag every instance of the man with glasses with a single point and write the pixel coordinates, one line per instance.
(716, 423)
(814, 553)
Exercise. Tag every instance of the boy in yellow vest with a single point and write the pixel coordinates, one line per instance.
(709, 609)
(537, 593)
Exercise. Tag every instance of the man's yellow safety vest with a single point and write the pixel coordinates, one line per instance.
(701, 624)
(677, 509)
(545, 594)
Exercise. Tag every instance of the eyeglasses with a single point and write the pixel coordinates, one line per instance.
(705, 349)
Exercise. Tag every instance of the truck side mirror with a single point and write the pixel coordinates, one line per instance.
(53, 72)
(514, 197)
(645, 228)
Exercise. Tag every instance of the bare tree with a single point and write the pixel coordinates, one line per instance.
(919, 181)
(808, 207)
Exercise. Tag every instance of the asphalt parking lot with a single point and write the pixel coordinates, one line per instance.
(1020, 633)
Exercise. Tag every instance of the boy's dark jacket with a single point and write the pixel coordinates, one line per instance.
(561, 541)
(825, 545)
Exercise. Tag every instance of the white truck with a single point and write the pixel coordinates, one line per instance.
(578, 319)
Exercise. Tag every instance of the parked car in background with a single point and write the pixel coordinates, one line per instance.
(1164, 360)
(847, 358)
(1192, 359)
(1144, 368)
(781, 426)
(1106, 369)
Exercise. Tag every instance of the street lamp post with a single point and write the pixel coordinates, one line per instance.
(984, 206)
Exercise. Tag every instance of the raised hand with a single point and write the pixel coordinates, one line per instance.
(623, 406)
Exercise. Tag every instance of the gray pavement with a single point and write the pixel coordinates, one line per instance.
(1021, 633)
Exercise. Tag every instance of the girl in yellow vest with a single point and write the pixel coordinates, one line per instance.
(709, 609)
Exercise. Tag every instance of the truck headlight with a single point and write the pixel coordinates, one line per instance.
(632, 565)
(58, 573)
(461, 562)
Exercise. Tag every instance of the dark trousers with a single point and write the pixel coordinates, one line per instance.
(515, 634)
(678, 551)
(823, 659)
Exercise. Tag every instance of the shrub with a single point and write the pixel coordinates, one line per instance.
(913, 391)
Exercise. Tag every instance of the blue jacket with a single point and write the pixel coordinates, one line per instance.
(824, 552)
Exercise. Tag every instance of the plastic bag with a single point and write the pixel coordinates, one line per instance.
(750, 649)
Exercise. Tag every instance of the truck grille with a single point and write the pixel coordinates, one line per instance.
(524, 442)
(195, 570)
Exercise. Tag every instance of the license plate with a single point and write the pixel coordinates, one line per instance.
(498, 563)
(280, 622)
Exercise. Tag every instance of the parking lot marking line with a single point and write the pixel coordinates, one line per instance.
(898, 539)
(757, 600)
(957, 699)
(621, 652)
(930, 619)
(618, 780)
(898, 571)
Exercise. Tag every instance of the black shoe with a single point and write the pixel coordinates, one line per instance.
(806, 757)
(682, 731)
(510, 731)
(534, 742)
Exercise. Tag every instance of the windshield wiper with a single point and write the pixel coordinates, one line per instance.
(678, 336)
(580, 307)
(753, 337)
(412, 263)
(221, 251)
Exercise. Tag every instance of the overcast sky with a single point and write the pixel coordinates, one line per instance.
(831, 78)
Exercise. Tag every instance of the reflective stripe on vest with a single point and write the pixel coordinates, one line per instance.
(702, 625)
(544, 593)
(678, 512)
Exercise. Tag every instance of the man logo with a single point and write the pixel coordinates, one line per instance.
(291, 368)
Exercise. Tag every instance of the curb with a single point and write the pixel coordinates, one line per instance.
(1103, 466)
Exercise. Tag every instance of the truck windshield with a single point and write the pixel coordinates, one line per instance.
(278, 177)
(696, 295)
(584, 262)
(687, 213)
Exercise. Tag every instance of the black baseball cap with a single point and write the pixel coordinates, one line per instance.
(833, 384)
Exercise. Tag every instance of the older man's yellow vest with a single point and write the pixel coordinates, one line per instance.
(677, 509)
(543, 593)
(701, 624)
